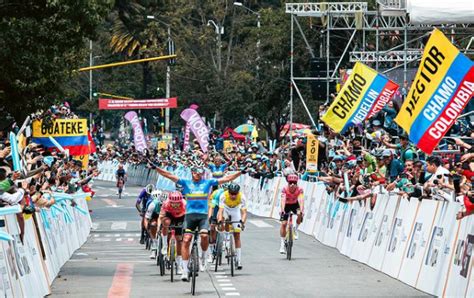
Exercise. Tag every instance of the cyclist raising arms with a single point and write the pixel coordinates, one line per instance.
(141, 204)
(150, 223)
(196, 192)
(232, 204)
(172, 213)
(291, 201)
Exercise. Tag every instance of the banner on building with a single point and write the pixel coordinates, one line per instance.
(138, 135)
(71, 134)
(363, 95)
(441, 89)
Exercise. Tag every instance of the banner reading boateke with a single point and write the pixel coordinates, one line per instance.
(71, 134)
(442, 88)
(138, 136)
(363, 95)
(199, 128)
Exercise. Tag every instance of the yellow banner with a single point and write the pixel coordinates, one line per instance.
(84, 159)
(60, 128)
(348, 99)
(312, 148)
(437, 58)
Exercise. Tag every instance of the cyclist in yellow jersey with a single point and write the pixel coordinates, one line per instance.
(233, 204)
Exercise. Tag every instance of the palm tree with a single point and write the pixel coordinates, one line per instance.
(130, 37)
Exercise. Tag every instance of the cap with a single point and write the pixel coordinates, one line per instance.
(376, 123)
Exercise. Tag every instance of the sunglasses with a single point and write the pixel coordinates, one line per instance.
(233, 194)
(292, 183)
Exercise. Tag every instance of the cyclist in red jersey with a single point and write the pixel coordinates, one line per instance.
(291, 201)
(172, 213)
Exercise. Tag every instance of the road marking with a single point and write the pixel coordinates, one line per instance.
(102, 239)
(122, 282)
(96, 235)
(118, 239)
(223, 280)
(217, 273)
(119, 225)
(117, 235)
(107, 235)
(260, 223)
(109, 202)
(226, 285)
(232, 294)
(221, 276)
(130, 239)
(228, 289)
(95, 225)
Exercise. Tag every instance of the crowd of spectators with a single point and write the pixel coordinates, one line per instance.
(43, 171)
(352, 164)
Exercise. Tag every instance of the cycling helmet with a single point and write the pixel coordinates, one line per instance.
(292, 178)
(149, 189)
(175, 196)
(157, 194)
(233, 188)
(225, 185)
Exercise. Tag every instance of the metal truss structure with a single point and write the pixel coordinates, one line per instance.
(390, 19)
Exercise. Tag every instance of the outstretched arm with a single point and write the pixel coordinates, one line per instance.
(167, 174)
(229, 178)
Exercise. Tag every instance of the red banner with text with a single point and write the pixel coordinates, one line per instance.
(142, 104)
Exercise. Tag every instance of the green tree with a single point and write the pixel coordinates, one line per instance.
(41, 44)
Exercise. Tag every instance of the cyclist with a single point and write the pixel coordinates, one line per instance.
(212, 214)
(232, 204)
(172, 213)
(196, 192)
(120, 175)
(217, 168)
(150, 222)
(141, 203)
(291, 201)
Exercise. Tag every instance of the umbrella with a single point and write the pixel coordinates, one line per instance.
(244, 128)
(297, 129)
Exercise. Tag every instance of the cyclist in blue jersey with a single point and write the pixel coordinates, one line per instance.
(196, 192)
(217, 168)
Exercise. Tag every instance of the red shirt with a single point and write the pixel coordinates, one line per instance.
(174, 209)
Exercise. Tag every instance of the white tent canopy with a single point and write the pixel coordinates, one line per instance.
(432, 12)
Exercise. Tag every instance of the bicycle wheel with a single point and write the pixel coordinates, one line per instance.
(172, 250)
(231, 254)
(161, 260)
(159, 245)
(289, 246)
(194, 268)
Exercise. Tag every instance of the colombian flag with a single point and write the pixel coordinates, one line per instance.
(363, 95)
(71, 134)
(441, 89)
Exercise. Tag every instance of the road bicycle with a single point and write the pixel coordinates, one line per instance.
(120, 184)
(217, 253)
(193, 264)
(229, 243)
(290, 236)
(172, 251)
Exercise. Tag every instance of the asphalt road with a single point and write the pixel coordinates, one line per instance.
(112, 263)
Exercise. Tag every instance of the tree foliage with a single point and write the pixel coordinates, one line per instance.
(41, 44)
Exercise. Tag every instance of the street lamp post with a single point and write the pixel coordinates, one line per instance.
(168, 73)
(240, 4)
(219, 32)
